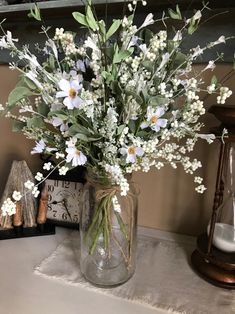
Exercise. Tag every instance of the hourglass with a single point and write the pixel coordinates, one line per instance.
(214, 258)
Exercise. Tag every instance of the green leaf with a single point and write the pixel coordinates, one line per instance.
(146, 35)
(116, 88)
(29, 83)
(178, 11)
(109, 52)
(180, 60)
(176, 15)
(26, 82)
(90, 19)
(113, 28)
(157, 101)
(17, 94)
(86, 138)
(120, 129)
(80, 18)
(35, 122)
(149, 65)
(59, 114)
(214, 80)
(76, 129)
(122, 55)
(107, 76)
(142, 134)
(18, 126)
(35, 13)
(171, 45)
(192, 28)
(81, 136)
(131, 125)
(43, 109)
(102, 29)
(51, 62)
(135, 96)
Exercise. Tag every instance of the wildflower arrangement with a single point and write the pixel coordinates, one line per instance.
(123, 100)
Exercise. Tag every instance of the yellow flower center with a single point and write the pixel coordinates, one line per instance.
(131, 150)
(154, 119)
(72, 93)
(78, 152)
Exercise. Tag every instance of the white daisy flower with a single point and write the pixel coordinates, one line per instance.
(81, 65)
(58, 122)
(39, 148)
(132, 152)
(76, 156)
(69, 91)
(153, 120)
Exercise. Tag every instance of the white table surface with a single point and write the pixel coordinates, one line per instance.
(23, 292)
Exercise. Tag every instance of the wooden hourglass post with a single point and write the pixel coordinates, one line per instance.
(218, 197)
(213, 261)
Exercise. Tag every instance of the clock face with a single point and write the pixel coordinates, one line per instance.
(64, 201)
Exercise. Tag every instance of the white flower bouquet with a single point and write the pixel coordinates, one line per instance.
(123, 100)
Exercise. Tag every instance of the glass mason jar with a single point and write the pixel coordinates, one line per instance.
(108, 230)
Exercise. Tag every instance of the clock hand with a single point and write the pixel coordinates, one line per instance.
(66, 208)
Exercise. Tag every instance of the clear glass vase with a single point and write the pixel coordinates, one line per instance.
(108, 229)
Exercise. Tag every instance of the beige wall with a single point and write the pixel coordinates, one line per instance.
(167, 200)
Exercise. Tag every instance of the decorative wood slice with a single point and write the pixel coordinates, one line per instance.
(19, 174)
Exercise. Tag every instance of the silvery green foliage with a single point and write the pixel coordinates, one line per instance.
(122, 100)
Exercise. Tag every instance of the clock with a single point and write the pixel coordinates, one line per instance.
(63, 202)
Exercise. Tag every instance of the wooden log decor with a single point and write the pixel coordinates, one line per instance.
(27, 206)
(42, 209)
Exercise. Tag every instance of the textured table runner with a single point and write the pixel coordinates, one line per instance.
(163, 278)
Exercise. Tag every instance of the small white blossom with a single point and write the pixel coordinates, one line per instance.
(47, 166)
(116, 205)
(16, 196)
(35, 191)
(211, 65)
(211, 88)
(198, 180)
(8, 207)
(200, 189)
(225, 93)
(29, 185)
(59, 155)
(63, 170)
(39, 176)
